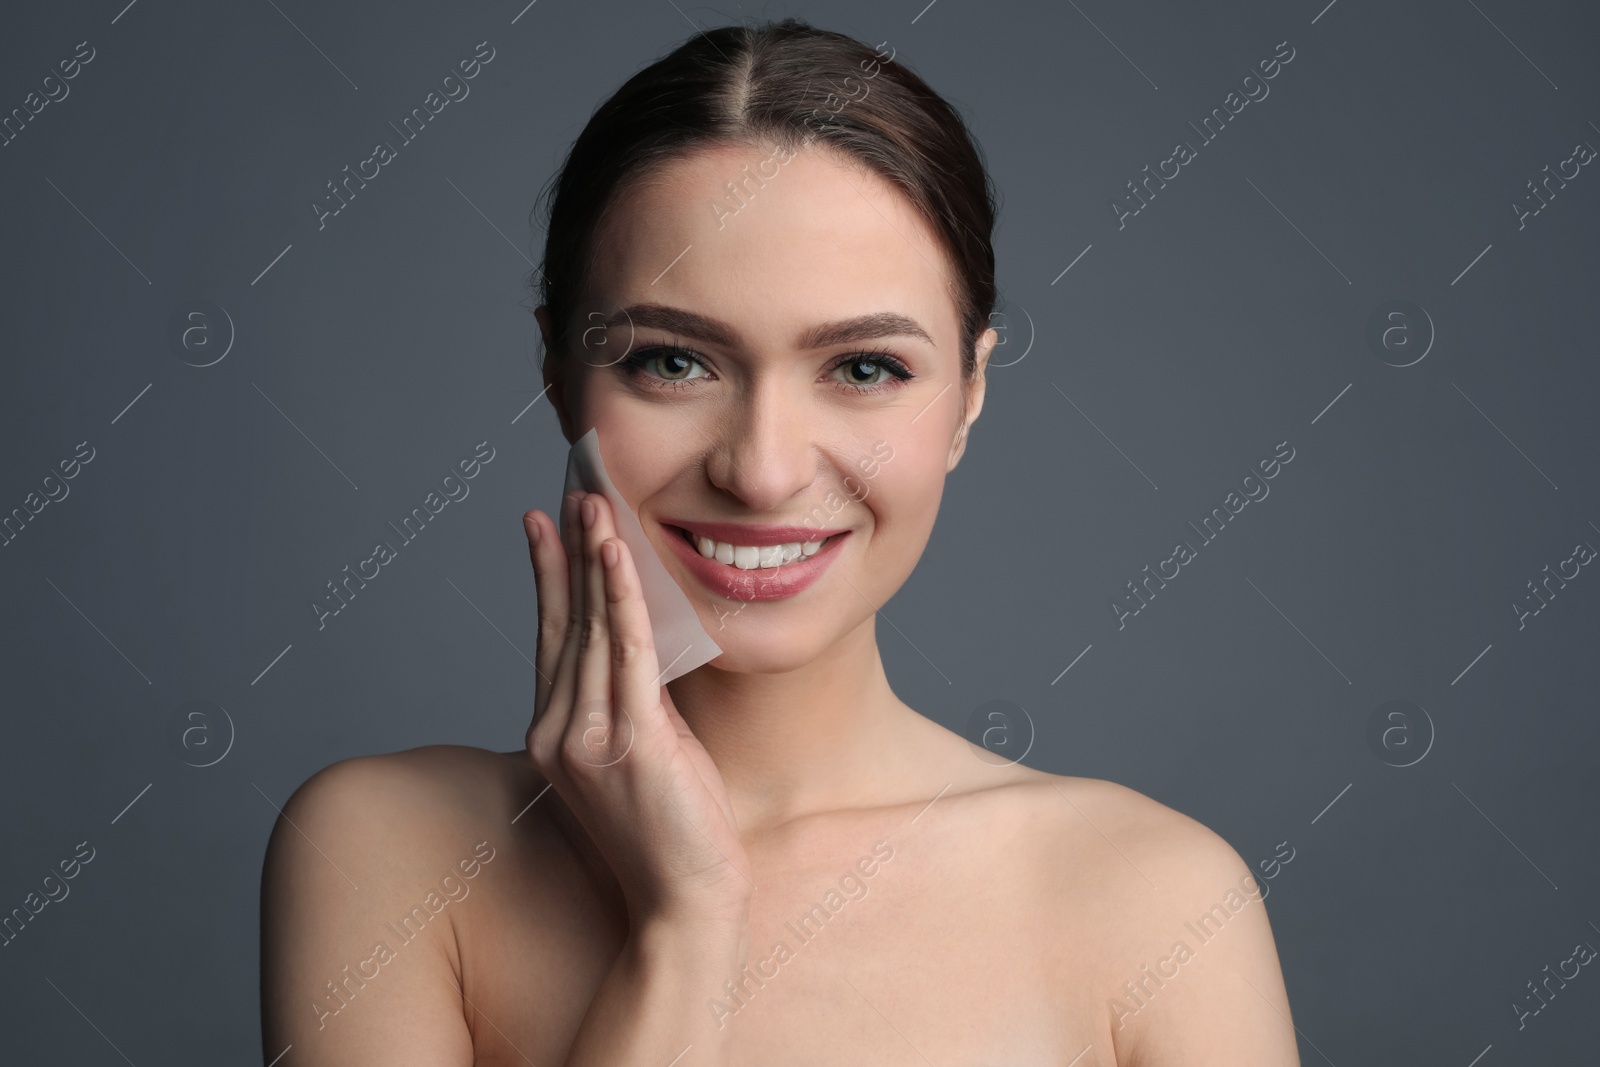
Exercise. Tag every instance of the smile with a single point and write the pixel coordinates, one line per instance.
(749, 557)
(779, 564)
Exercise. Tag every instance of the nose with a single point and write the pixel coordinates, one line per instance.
(763, 451)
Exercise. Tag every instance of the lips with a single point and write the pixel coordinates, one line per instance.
(761, 583)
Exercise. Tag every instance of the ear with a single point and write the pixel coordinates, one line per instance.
(976, 386)
(554, 382)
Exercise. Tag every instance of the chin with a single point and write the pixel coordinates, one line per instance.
(751, 645)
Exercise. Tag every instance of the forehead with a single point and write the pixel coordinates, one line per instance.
(787, 245)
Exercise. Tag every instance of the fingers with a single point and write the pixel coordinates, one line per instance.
(551, 725)
(635, 669)
(549, 565)
(594, 698)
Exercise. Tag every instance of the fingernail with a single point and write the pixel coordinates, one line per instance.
(588, 513)
(533, 531)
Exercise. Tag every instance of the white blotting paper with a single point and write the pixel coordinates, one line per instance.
(682, 644)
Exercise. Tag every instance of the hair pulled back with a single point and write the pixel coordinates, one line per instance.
(793, 84)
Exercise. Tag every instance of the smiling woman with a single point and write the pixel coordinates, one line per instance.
(738, 377)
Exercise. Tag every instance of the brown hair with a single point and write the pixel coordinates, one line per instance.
(791, 83)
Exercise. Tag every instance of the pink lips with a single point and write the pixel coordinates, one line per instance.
(761, 583)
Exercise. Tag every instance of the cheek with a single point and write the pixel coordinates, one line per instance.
(641, 454)
(904, 494)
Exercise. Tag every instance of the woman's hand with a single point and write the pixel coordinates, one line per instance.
(605, 733)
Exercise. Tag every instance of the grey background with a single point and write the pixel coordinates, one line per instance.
(1227, 316)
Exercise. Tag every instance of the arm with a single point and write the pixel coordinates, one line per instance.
(345, 861)
(361, 845)
(651, 1008)
(1206, 986)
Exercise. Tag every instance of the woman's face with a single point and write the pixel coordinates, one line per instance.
(753, 374)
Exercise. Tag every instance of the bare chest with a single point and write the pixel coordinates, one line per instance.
(887, 946)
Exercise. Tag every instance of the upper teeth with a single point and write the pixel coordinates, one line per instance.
(748, 557)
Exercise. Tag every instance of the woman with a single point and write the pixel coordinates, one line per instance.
(766, 284)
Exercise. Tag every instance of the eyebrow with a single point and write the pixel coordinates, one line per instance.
(844, 331)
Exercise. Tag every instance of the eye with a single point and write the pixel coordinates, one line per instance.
(673, 366)
(664, 366)
(862, 370)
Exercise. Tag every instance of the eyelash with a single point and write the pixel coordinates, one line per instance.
(634, 363)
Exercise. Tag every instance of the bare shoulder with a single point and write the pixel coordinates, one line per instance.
(1140, 828)
(357, 930)
(1185, 957)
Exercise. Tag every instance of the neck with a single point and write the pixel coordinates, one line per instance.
(812, 739)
